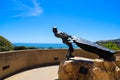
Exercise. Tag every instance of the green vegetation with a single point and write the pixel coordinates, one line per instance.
(19, 48)
(5, 45)
(24, 47)
(110, 45)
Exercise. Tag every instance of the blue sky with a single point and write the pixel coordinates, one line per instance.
(31, 21)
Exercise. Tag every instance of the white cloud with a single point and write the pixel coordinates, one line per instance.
(25, 10)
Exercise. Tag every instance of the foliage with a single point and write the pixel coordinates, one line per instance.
(5, 45)
(20, 48)
(110, 45)
(32, 47)
(24, 47)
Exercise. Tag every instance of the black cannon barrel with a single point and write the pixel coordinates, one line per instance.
(86, 45)
(101, 51)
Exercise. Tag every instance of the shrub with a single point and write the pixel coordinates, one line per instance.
(24, 47)
(5, 45)
(32, 47)
(20, 48)
(111, 45)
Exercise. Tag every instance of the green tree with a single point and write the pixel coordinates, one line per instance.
(5, 45)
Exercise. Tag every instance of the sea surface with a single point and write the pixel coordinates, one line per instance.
(45, 45)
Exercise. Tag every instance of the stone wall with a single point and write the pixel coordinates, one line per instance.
(13, 61)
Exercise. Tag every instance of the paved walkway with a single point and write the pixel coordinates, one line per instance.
(42, 73)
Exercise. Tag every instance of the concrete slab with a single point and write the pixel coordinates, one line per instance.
(42, 73)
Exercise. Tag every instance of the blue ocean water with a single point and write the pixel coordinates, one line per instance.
(44, 45)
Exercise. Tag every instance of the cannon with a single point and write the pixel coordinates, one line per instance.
(102, 52)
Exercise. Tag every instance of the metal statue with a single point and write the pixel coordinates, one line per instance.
(66, 40)
(86, 45)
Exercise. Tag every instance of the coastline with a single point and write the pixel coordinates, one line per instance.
(44, 45)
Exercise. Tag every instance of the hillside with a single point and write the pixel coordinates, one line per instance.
(111, 44)
(5, 45)
(116, 41)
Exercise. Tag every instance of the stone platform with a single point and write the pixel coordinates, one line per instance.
(79, 68)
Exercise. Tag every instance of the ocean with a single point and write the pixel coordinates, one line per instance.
(45, 45)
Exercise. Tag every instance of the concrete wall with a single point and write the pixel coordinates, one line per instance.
(13, 61)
